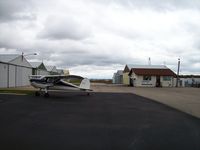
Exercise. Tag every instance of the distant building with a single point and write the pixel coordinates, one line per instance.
(14, 70)
(118, 77)
(60, 71)
(189, 81)
(39, 68)
(66, 72)
(113, 78)
(52, 70)
(151, 76)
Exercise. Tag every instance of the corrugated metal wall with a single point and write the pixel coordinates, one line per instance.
(3, 75)
(42, 72)
(26, 72)
(12, 70)
(13, 75)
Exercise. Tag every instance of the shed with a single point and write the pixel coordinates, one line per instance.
(66, 72)
(126, 71)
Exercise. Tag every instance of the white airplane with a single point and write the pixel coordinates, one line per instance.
(58, 82)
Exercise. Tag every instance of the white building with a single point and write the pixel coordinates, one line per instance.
(14, 71)
(152, 76)
(39, 68)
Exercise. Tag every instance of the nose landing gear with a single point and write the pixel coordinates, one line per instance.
(46, 95)
(38, 93)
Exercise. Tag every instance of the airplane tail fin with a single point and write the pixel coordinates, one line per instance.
(85, 84)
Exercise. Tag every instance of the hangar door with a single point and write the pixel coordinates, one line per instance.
(26, 73)
(3, 75)
(12, 75)
(22, 76)
(19, 77)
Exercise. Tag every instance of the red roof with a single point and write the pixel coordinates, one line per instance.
(153, 72)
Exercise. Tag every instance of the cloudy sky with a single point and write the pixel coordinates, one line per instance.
(94, 38)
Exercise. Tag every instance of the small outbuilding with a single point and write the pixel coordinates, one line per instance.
(126, 79)
(152, 76)
(14, 70)
(66, 72)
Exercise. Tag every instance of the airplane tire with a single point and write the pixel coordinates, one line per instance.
(88, 94)
(46, 95)
(37, 93)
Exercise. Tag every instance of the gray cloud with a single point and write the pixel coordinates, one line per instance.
(77, 59)
(103, 35)
(16, 10)
(154, 4)
(64, 28)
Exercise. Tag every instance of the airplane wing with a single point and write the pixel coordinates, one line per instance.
(73, 77)
(68, 84)
(55, 76)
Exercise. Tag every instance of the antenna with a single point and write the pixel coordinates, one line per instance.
(177, 80)
(149, 61)
(22, 56)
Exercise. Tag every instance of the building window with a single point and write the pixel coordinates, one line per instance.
(167, 78)
(147, 78)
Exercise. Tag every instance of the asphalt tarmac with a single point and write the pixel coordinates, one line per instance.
(101, 121)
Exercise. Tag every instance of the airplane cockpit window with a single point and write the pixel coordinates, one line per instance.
(43, 79)
(50, 80)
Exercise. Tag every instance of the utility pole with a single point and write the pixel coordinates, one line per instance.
(177, 80)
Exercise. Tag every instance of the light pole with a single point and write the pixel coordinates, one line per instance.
(27, 55)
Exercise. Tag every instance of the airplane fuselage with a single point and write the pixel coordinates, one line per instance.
(58, 83)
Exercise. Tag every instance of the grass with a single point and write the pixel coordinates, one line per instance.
(16, 91)
(106, 81)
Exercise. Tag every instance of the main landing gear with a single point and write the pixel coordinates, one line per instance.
(46, 94)
(38, 93)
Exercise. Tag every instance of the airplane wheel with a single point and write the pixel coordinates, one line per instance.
(37, 93)
(46, 95)
(88, 94)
